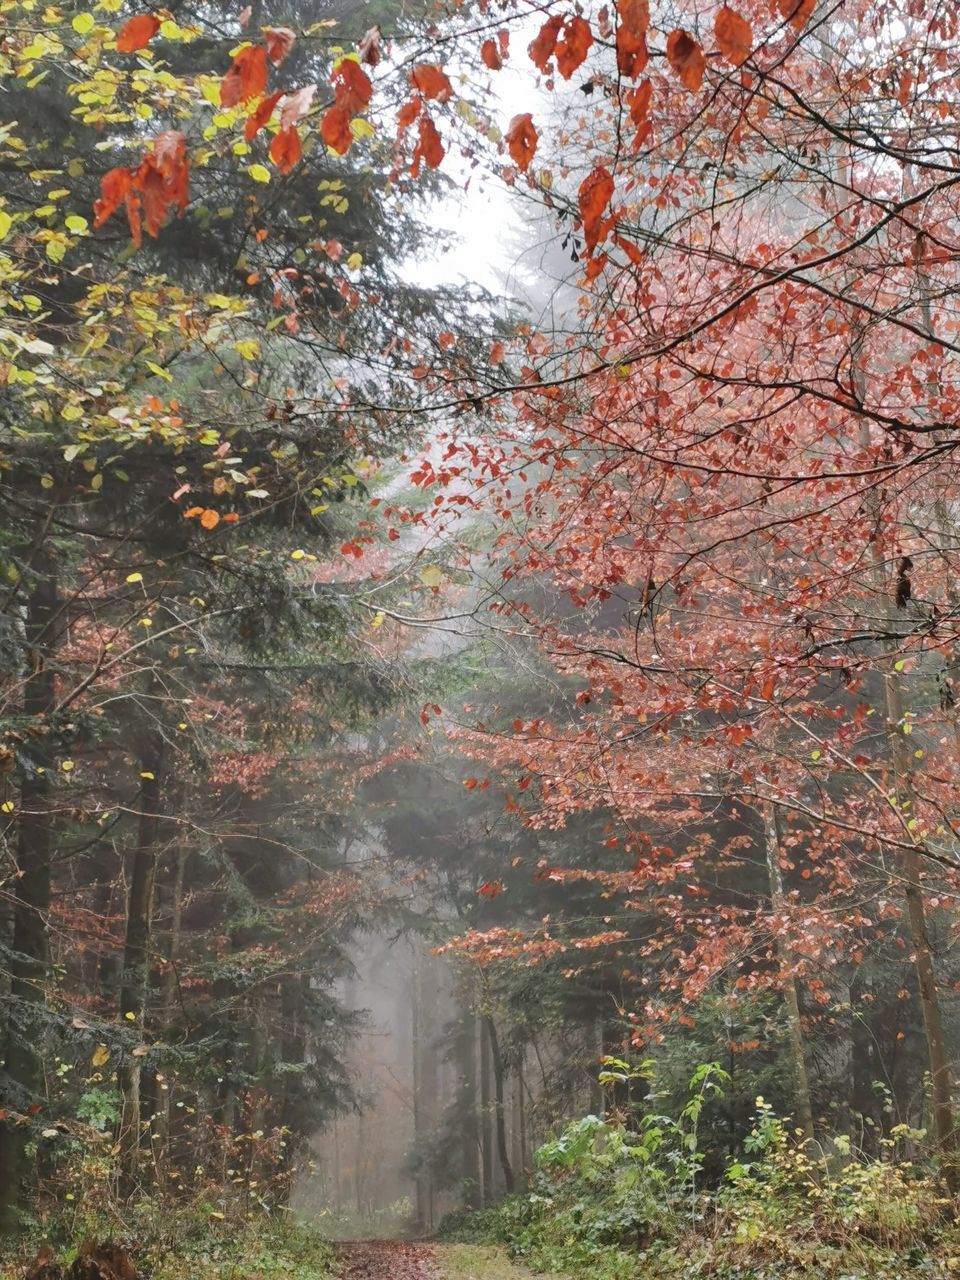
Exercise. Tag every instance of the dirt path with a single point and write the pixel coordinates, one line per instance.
(386, 1260)
(398, 1260)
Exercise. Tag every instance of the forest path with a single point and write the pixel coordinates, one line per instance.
(401, 1260)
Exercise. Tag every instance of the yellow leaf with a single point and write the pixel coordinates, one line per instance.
(134, 577)
(355, 261)
(297, 555)
(377, 619)
(130, 1017)
(159, 371)
(431, 575)
(67, 766)
(101, 1055)
(6, 222)
(146, 774)
(79, 226)
(83, 23)
(259, 173)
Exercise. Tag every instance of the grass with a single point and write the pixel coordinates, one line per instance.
(479, 1262)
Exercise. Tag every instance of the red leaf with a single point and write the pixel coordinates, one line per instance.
(636, 256)
(335, 130)
(369, 47)
(594, 195)
(633, 20)
(137, 33)
(429, 146)
(247, 77)
(351, 86)
(541, 49)
(497, 353)
(571, 51)
(261, 117)
(522, 139)
(285, 149)
(638, 101)
(768, 687)
(734, 36)
(279, 42)
(686, 58)
(409, 112)
(490, 55)
(797, 12)
(432, 82)
(114, 186)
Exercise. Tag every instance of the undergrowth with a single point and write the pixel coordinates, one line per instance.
(618, 1201)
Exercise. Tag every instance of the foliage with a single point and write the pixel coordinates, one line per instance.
(615, 1202)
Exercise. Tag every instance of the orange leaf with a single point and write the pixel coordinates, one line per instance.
(595, 266)
(431, 81)
(571, 51)
(633, 21)
(261, 117)
(335, 130)
(734, 36)
(114, 186)
(351, 86)
(247, 77)
(192, 513)
(686, 58)
(279, 43)
(638, 100)
(409, 112)
(137, 33)
(768, 687)
(497, 353)
(231, 517)
(797, 12)
(429, 146)
(633, 252)
(285, 149)
(594, 195)
(542, 47)
(490, 55)
(522, 140)
(210, 518)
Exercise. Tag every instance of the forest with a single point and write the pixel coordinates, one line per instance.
(479, 640)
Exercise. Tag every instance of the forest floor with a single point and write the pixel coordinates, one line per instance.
(400, 1260)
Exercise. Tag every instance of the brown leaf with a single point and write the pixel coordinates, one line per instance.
(734, 36)
(686, 58)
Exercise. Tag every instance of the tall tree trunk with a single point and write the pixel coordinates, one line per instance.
(486, 1121)
(160, 1090)
(466, 1057)
(788, 980)
(136, 955)
(500, 1116)
(31, 892)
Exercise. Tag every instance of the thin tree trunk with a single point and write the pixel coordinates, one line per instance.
(500, 1117)
(466, 1055)
(31, 890)
(136, 956)
(788, 980)
(486, 1122)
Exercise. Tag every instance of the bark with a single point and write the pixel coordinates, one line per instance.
(788, 980)
(466, 1056)
(486, 1123)
(136, 956)
(500, 1117)
(31, 889)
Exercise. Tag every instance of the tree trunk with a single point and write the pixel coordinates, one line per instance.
(486, 1122)
(136, 956)
(31, 893)
(500, 1116)
(466, 1055)
(788, 980)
